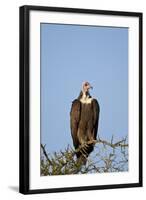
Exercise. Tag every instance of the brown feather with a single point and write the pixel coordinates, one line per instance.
(96, 110)
(84, 120)
(74, 121)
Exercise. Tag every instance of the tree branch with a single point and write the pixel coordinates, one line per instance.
(46, 155)
(117, 144)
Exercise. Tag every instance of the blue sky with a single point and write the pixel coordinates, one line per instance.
(71, 54)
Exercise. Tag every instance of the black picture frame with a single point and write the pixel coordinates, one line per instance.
(25, 105)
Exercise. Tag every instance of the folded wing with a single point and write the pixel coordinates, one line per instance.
(74, 121)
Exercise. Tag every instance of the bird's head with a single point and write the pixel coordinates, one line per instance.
(86, 86)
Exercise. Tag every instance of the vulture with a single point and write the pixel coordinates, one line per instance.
(84, 117)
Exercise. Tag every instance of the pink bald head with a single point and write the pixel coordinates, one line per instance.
(86, 86)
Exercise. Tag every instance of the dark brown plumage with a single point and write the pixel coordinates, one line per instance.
(84, 117)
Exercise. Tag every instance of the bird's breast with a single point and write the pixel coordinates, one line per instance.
(86, 100)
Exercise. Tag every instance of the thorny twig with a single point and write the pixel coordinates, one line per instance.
(104, 160)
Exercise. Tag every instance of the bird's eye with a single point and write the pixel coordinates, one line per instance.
(86, 84)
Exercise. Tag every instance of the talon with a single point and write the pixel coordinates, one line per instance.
(83, 154)
(86, 145)
(84, 150)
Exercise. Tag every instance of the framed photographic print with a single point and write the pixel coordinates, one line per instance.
(80, 99)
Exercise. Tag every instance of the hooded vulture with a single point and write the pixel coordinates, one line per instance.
(84, 117)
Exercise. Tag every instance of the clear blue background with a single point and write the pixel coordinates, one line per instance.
(71, 54)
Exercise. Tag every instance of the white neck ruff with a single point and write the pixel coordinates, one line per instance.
(86, 99)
